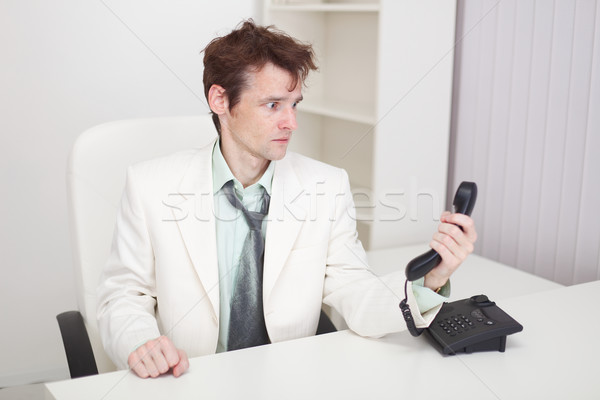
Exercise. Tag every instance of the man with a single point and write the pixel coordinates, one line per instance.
(187, 260)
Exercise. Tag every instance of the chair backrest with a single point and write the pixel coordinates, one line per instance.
(95, 179)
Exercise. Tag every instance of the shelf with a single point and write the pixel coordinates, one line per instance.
(347, 111)
(366, 53)
(327, 7)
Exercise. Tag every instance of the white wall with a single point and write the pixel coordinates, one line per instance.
(410, 149)
(526, 128)
(68, 65)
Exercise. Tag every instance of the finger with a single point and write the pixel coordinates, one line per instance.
(168, 350)
(448, 248)
(137, 366)
(458, 219)
(150, 367)
(183, 364)
(147, 355)
(144, 360)
(458, 237)
(464, 221)
(157, 358)
(449, 260)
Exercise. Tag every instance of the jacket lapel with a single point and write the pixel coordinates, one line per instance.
(287, 212)
(198, 227)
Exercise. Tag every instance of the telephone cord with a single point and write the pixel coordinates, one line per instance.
(407, 314)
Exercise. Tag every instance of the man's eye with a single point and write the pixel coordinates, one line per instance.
(272, 106)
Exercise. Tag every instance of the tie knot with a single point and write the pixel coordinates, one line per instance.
(253, 218)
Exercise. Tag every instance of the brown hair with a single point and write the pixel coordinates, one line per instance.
(229, 59)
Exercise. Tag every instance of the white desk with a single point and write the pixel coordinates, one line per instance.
(477, 275)
(553, 358)
(556, 355)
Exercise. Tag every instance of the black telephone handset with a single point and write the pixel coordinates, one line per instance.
(469, 325)
(464, 201)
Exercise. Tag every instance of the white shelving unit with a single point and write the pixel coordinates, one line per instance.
(379, 106)
(324, 7)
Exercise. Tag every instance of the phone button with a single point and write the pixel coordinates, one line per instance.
(482, 300)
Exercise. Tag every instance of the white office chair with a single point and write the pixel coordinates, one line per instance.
(96, 177)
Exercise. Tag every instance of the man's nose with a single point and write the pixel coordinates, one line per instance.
(289, 120)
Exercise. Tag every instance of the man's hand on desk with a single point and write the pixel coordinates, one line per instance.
(156, 357)
(453, 244)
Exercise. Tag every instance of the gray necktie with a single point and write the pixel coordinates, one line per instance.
(247, 321)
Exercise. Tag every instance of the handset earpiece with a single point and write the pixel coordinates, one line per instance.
(464, 201)
(465, 197)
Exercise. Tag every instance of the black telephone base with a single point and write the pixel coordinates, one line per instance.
(495, 344)
(471, 325)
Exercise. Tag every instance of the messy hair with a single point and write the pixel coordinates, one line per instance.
(229, 59)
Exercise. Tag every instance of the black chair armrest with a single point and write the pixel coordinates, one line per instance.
(325, 324)
(78, 349)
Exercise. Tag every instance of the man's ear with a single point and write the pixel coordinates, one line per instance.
(217, 99)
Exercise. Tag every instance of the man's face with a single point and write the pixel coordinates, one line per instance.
(261, 124)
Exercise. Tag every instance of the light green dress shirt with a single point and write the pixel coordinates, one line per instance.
(231, 230)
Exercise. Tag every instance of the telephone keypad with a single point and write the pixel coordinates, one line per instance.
(456, 324)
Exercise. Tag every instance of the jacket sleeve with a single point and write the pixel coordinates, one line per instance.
(126, 294)
(368, 303)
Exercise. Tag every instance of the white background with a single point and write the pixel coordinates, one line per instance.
(66, 66)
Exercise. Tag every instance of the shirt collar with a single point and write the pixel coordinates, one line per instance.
(222, 174)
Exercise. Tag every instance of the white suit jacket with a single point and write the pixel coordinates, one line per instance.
(162, 274)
